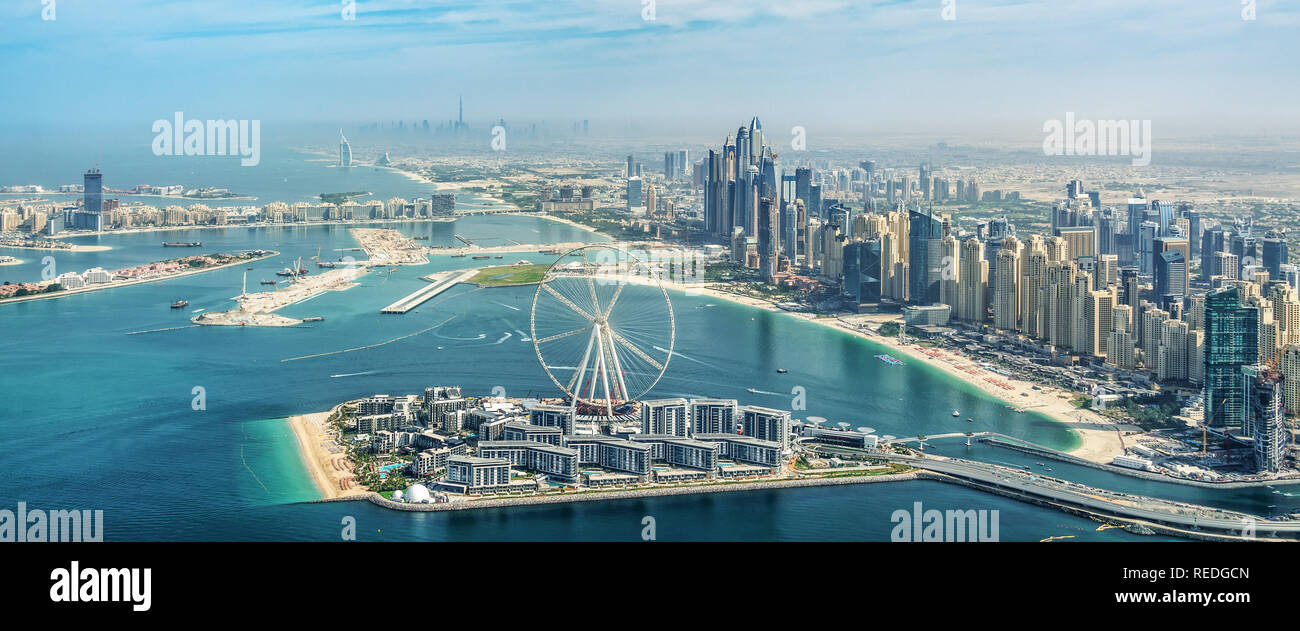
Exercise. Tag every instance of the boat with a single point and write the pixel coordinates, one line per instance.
(180, 304)
(456, 256)
(499, 256)
(479, 256)
(423, 238)
(392, 269)
(192, 244)
(751, 390)
(782, 370)
(892, 361)
(313, 319)
(270, 282)
(288, 271)
(970, 420)
(956, 413)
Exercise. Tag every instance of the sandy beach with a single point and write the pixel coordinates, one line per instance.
(1099, 437)
(331, 472)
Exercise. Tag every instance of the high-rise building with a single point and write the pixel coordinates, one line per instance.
(972, 282)
(1171, 268)
(925, 248)
(1275, 253)
(633, 192)
(345, 151)
(1231, 341)
(1119, 344)
(1264, 418)
(862, 271)
(1290, 367)
(769, 228)
(1006, 298)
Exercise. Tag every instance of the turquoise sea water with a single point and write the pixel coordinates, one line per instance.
(96, 418)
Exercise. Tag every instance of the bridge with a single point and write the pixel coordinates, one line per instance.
(1176, 518)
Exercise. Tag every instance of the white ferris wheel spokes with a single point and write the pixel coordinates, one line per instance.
(602, 327)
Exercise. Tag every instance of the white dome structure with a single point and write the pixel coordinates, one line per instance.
(418, 494)
(397, 496)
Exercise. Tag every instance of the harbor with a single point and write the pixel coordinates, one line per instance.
(257, 309)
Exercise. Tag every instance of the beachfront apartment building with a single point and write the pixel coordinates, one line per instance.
(766, 424)
(479, 475)
(548, 415)
(555, 461)
(519, 430)
(713, 416)
(747, 449)
(665, 416)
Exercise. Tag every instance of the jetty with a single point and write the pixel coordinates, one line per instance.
(439, 282)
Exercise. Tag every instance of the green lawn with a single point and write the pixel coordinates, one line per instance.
(507, 275)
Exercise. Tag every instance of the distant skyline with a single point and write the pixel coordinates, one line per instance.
(1000, 68)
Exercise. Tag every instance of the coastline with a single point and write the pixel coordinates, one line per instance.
(309, 431)
(138, 281)
(596, 496)
(1099, 438)
(75, 247)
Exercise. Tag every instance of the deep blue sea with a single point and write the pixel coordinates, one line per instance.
(95, 418)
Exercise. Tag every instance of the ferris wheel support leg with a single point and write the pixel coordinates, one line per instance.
(582, 367)
(618, 368)
(604, 375)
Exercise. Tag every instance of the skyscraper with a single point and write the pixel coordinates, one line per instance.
(91, 216)
(769, 231)
(862, 271)
(1231, 341)
(972, 282)
(345, 151)
(925, 249)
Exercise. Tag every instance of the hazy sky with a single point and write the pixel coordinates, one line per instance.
(869, 65)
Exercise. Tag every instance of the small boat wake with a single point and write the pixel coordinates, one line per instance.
(353, 374)
(756, 391)
(508, 306)
(481, 336)
(505, 337)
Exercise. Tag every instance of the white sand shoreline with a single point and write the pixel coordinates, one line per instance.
(1098, 436)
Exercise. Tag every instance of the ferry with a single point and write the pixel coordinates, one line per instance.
(180, 304)
(892, 361)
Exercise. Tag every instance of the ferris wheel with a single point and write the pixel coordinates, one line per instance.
(602, 327)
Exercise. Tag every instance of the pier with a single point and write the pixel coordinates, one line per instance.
(440, 282)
